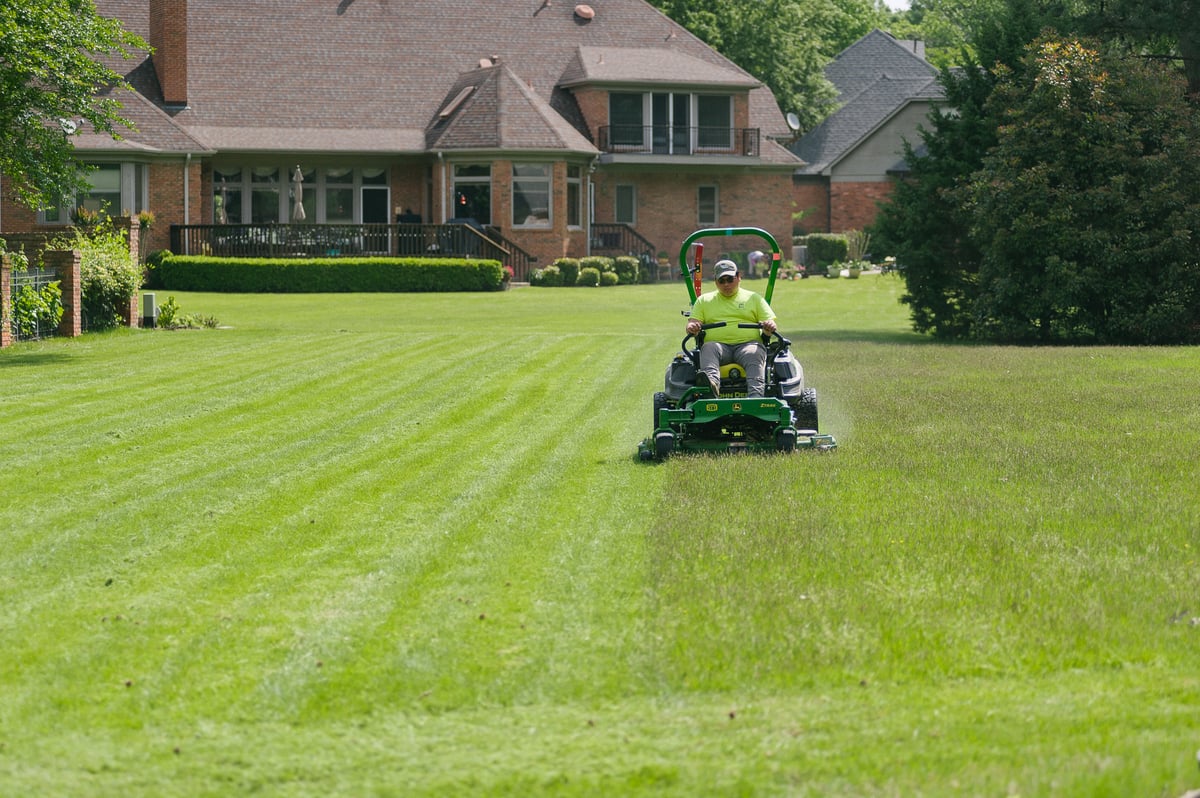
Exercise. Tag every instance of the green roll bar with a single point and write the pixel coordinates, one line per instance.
(687, 271)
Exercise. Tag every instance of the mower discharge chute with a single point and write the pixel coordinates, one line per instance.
(689, 417)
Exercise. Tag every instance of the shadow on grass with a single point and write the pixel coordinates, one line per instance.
(862, 336)
(11, 359)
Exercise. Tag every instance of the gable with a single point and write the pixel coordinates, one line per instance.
(878, 78)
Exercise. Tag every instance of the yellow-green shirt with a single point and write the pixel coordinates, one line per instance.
(745, 307)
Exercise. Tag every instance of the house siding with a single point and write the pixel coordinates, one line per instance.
(854, 205)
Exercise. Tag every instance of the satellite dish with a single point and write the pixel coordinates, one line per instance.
(68, 126)
(793, 120)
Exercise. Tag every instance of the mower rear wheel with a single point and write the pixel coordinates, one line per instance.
(660, 401)
(804, 407)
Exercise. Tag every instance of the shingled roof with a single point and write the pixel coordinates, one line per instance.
(876, 77)
(371, 75)
(491, 108)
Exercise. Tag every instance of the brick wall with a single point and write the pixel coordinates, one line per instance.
(811, 196)
(855, 205)
(667, 206)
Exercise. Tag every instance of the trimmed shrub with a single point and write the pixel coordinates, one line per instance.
(546, 277)
(327, 275)
(609, 278)
(626, 267)
(598, 262)
(826, 248)
(589, 276)
(569, 267)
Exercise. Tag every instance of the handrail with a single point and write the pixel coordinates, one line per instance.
(678, 140)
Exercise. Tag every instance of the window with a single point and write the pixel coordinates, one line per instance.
(671, 123)
(339, 195)
(115, 189)
(227, 195)
(574, 196)
(707, 208)
(264, 194)
(625, 119)
(374, 196)
(626, 212)
(531, 195)
(473, 192)
(714, 120)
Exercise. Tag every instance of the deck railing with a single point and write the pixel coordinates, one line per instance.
(678, 140)
(345, 240)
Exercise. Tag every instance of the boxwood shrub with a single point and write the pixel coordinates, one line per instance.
(569, 267)
(547, 277)
(324, 275)
(626, 267)
(826, 248)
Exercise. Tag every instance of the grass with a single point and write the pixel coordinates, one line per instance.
(401, 545)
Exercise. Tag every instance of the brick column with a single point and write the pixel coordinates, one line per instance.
(131, 226)
(5, 301)
(66, 263)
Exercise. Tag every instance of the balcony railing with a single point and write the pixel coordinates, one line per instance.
(678, 140)
(344, 240)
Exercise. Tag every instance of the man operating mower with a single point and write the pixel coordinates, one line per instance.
(734, 305)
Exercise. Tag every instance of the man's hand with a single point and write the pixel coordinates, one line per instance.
(768, 326)
(693, 327)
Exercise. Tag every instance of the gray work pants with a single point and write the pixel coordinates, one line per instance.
(751, 356)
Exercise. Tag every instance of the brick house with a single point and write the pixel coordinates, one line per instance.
(538, 119)
(886, 90)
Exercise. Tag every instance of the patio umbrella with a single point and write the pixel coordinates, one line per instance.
(298, 214)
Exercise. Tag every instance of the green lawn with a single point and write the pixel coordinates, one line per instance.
(397, 545)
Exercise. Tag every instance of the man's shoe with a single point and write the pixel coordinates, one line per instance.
(715, 386)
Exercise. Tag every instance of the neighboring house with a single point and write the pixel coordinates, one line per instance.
(886, 90)
(538, 119)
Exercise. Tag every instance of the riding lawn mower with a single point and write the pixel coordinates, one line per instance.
(689, 416)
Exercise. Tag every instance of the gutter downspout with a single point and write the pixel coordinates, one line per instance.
(591, 207)
(187, 168)
(445, 188)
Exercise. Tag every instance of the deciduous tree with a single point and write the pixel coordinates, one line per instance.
(50, 82)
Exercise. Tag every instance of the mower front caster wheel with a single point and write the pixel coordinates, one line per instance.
(664, 444)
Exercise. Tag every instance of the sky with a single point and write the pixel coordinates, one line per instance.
(897, 5)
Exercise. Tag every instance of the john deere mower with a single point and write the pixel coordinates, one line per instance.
(688, 416)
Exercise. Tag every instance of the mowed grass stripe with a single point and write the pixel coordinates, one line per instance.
(486, 583)
(281, 549)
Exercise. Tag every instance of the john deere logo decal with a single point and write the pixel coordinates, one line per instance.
(737, 407)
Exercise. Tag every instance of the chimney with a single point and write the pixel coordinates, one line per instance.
(168, 37)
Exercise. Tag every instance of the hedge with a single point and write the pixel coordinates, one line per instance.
(826, 248)
(323, 275)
